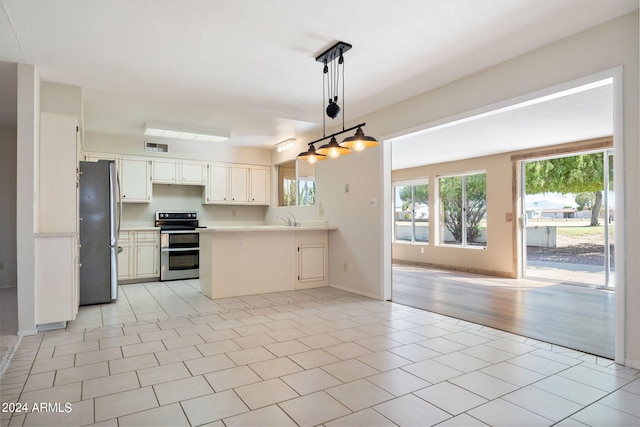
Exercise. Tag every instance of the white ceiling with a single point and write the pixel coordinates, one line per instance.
(249, 66)
(576, 114)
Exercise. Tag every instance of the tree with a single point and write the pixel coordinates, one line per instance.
(585, 201)
(420, 195)
(575, 174)
(452, 205)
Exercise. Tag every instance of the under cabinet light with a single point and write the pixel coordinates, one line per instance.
(174, 131)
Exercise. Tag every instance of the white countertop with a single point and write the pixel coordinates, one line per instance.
(236, 228)
(141, 228)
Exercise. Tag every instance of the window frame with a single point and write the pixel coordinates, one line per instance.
(464, 205)
(412, 183)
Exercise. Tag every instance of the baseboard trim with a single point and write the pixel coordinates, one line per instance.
(355, 291)
(631, 363)
(491, 273)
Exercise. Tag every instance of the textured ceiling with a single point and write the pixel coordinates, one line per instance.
(249, 67)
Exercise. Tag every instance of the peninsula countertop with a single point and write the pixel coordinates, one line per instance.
(265, 227)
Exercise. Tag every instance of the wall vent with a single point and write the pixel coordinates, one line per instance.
(156, 147)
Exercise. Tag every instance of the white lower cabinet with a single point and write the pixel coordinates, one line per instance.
(56, 277)
(140, 256)
(313, 259)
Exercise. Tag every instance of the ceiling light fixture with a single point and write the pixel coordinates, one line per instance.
(333, 61)
(285, 145)
(175, 131)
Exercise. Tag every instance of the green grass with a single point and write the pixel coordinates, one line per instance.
(582, 230)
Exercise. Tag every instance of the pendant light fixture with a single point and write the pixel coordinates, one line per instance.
(333, 61)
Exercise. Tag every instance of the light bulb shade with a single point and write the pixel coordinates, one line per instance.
(311, 155)
(359, 141)
(333, 149)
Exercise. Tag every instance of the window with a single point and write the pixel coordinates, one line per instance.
(463, 209)
(296, 184)
(411, 222)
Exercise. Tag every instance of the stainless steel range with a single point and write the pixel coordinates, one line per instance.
(179, 244)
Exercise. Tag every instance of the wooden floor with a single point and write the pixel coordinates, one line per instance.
(571, 316)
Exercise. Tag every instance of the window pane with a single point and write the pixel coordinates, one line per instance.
(451, 210)
(306, 191)
(476, 209)
(403, 216)
(421, 212)
(296, 184)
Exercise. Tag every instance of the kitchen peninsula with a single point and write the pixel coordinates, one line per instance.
(246, 260)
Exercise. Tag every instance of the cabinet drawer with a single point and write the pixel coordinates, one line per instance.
(146, 236)
(124, 237)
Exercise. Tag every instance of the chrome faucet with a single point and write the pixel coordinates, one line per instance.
(290, 220)
(286, 220)
(293, 221)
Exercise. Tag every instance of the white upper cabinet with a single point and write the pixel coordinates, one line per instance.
(164, 171)
(135, 179)
(237, 184)
(239, 177)
(192, 173)
(169, 171)
(58, 173)
(217, 186)
(259, 185)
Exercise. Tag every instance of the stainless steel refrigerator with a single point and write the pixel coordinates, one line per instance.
(99, 219)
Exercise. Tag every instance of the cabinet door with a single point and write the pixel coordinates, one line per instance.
(217, 184)
(239, 175)
(55, 278)
(135, 180)
(311, 263)
(124, 263)
(58, 172)
(147, 259)
(125, 270)
(164, 172)
(259, 185)
(192, 173)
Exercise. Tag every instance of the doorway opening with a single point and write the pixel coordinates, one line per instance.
(581, 110)
(568, 219)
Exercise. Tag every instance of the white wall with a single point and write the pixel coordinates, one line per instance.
(188, 198)
(8, 274)
(497, 258)
(360, 238)
(28, 133)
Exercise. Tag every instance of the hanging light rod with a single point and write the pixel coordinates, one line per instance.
(333, 61)
(337, 133)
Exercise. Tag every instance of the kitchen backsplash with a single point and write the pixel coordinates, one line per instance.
(188, 197)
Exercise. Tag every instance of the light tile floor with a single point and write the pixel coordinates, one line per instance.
(164, 354)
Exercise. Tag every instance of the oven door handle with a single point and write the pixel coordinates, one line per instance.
(179, 249)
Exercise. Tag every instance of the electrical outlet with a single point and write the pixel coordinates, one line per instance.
(241, 243)
(509, 217)
(422, 249)
(346, 188)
